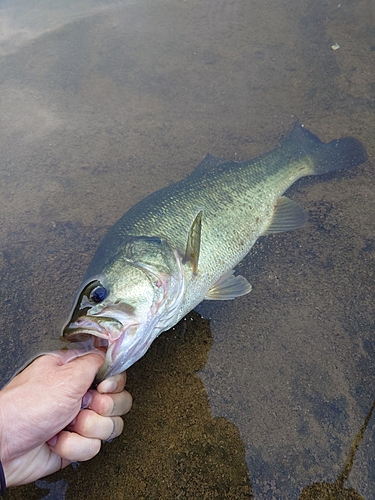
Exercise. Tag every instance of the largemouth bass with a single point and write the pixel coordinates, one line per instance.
(180, 245)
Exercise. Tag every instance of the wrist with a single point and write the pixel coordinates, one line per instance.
(4, 448)
(10, 461)
(7, 461)
(11, 472)
(3, 455)
(14, 472)
(3, 484)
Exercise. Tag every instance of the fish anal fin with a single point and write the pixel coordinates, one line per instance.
(228, 287)
(194, 242)
(288, 215)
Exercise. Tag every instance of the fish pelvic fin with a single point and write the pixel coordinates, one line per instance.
(288, 215)
(194, 242)
(339, 154)
(228, 287)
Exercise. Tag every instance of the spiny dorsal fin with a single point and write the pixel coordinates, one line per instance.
(210, 165)
(209, 162)
(228, 287)
(288, 215)
(194, 242)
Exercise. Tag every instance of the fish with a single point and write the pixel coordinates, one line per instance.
(180, 245)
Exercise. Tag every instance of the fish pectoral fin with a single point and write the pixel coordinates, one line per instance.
(228, 287)
(288, 215)
(194, 242)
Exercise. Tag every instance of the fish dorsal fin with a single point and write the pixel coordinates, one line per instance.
(288, 215)
(228, 287)
(209, 164)
(194, 242)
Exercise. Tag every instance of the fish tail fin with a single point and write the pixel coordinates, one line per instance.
(339, 154)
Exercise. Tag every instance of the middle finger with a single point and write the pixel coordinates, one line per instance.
(109, 405)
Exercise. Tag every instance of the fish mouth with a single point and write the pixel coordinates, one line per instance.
(124, 344)
(92, 334)
(106, 334)
(85, 327)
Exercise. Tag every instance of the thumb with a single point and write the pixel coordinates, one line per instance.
(79, 366)
(66, 355)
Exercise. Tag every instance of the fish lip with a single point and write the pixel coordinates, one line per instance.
(80, 334)
(112, 365)
(85, 328)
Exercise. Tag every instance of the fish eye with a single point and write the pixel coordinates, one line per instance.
(98, 294)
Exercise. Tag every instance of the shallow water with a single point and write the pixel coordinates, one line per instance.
(104, 102)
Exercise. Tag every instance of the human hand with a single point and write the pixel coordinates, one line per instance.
(49, 417)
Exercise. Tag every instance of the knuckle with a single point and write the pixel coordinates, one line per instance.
(85, 422)
(103, 404)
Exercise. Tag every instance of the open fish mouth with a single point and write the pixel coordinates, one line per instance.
(86, 327)
(123, 344)
(104, 333)
(89, 337)
(94, 334)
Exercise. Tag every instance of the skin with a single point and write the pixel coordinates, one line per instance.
(49, 417)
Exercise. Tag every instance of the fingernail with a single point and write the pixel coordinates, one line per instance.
(52, 441)
(108, 386)
(112, 436)
(86, 400)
